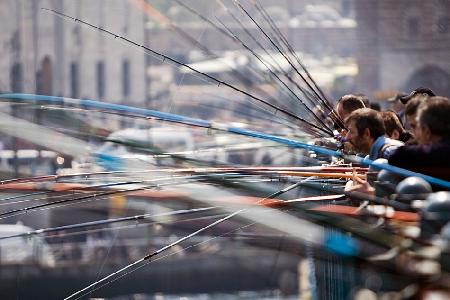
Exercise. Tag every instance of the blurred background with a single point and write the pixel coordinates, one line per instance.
(378, 48)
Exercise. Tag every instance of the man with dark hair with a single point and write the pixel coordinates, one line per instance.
(421, 91)
(349, 103)
(431, 156)
(367, 134)
(411, 111)
(394, 127)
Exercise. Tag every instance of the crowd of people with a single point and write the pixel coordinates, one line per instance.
(416, 137)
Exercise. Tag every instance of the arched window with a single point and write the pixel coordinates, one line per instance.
(413, 28)
(100, 72)
(16, 78)
(441, 17)
(126, 88)
(431, 76)
(412, 22)
(74, 80)
(443, 25)
(44, 79)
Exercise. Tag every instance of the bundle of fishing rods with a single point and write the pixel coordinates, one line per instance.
(306, 204)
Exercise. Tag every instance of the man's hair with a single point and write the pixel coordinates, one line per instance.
(391, 122)
(434, 114)
(352, 102)
(367, 118)
(419, 91)
(413, 104)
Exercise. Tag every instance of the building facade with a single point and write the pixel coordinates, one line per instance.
(403, 44)
(46, 54)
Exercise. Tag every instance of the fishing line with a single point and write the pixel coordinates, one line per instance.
(100, 194)
(327, 104)
(265, 63)
(176, 62)
(165, 256)
(135, 218)
(271, 72)
(285, 41)
(274, 44)
(224, 127)
(150, 255)
(136, 225)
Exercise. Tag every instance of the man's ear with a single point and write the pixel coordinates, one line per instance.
(395, 134)
(425, 133)
(366, 133)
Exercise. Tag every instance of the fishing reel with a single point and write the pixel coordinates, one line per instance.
(435, 214)
(412, 189)
(374, 170)
(386, 183)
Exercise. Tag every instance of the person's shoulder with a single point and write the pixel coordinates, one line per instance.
(405, 153)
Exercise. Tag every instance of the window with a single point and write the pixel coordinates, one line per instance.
(74, 80)
(346, 6)
(16, 78)
(100, 79)
(125, 78)
(443, 25)
(413, 27)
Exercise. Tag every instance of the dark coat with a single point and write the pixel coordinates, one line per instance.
(433, 160)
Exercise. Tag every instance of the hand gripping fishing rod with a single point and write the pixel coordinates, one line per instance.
(17, 97)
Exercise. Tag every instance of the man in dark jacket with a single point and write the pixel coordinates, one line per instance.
(432, 154)
(367, 134)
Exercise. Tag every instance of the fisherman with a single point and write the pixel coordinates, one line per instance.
(432, 154)
(349, 103)
(344, 107)
(411, 114)
(399, 101)
(367, 134)
(394, 127)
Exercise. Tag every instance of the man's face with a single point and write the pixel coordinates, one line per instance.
(397, 106)
(412, 123)
(361, 142)
(422, 135)
(341, 112)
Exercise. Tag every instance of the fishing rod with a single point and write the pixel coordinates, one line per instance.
(176, 62)
(162, 19)
(223, 127)
(82, 292)
(276, 46)
(225, 33)
(272, 24)
(285, 41)
(135, 218)
(350, 248)
(229, 35)
(261, 110)
(98, 193)
(24, 210)
(258, 57)
(266, 64)
(211, 23)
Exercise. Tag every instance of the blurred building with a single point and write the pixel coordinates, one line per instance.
(403, 44)
(46, 54)
(321, 28)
